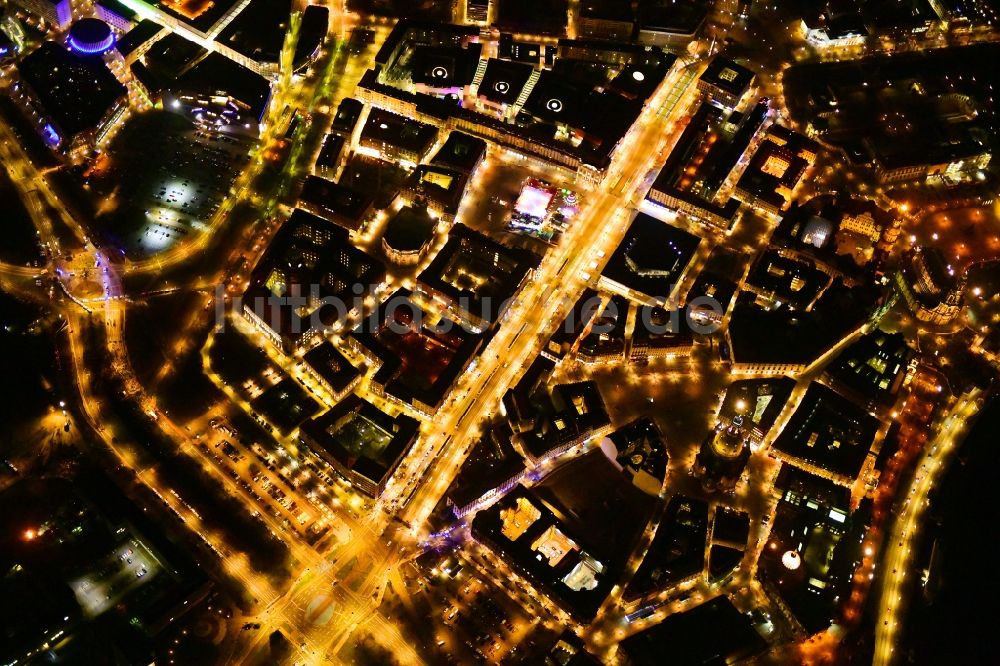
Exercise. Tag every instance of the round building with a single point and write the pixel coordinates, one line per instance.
(90, 36)
(408, 235)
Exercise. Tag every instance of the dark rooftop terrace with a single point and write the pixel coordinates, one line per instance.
(828, 431)
(651, 258)
(362, 437)
(713, 633)
(460, 151)
(258, 32)
(76, 92)
(477, 268)
(332, 366)
(395, 130)
(504, 80)
(726, 75)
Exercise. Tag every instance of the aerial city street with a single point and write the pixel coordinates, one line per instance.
(545, 332)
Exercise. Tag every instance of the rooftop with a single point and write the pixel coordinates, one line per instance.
(587, 135)
(504, 80)
(677, 550)
(640, 77)
(362, 437)
(90, 36)
(607, 333)
(683, 17)
(555, 99)
(347, 115)
(828, 431)
(651, 258)
(491, 462)
(285, 405)
(874, 366)
(312, 31)
(217, 73)
(759, 401)
(444, 66)
(533, 17)
(201, 14)
(310, 253)
(609, 10)
(814, 521)
(566, 413)
(476, 272)
(778, 165)
(330, 153)
(409, 229)
(577, 528)
(461, 152)
(929, 114)
(659, 327)
(119, 8)
(522, 49)
(419, 359)
(713, 633)
(76, 92)
(728, 76)
(338, 203)
(144, 31)
(792, 337)
(331, 366)
(731, 525)
(518, 400)
(172, 55)
(792, 281)
(387, 128)
(439, 185)
(258, 32)
(641, 449)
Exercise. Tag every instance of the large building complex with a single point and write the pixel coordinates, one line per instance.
(473, 277)
(362, 443)
(514, 99)
(73, 98)
(545, 332)
(310, 279)
(418, 360)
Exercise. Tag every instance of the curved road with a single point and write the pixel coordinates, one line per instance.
(896, 561)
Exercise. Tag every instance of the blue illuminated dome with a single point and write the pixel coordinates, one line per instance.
(90, 36)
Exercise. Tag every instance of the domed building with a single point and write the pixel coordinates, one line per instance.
(723, 455)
